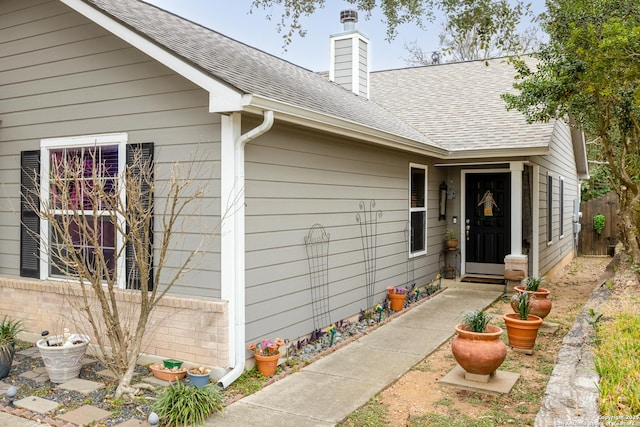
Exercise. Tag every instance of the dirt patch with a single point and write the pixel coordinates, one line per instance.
(418, 396)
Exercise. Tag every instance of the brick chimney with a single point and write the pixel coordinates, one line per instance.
(349, 58)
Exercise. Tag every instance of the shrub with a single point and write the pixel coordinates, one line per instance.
(179, 404)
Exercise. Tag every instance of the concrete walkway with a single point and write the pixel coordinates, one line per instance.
(328, 390)
(321, 394)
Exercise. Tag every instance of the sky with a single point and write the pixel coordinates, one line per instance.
(232, 18)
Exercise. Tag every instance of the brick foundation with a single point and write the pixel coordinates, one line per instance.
(188, 329)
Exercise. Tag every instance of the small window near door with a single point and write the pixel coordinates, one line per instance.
(418, 209)
(549, 208)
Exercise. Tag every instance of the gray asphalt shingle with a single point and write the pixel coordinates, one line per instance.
(250, 70)
(459, 106)
(452, 106)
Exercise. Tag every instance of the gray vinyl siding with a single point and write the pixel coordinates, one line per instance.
(343, 61)
(295, 180)
(62, 75)
(363, 71)
(560, 163)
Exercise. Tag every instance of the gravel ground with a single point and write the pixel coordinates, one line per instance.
(301, 353)
(69, 400)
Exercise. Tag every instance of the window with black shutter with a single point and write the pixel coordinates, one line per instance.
(29, 219)
(418, 209)
(145, 151)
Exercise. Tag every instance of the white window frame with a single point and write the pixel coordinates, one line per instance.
(419, 209)
(550, 207)
(561, 212)
(119, 139)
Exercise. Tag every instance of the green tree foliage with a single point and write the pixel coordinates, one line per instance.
(486, 18)
(589, 74)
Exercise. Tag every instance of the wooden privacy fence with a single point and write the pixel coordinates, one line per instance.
(589, 241)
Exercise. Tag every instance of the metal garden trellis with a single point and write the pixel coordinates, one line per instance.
(317, 246)
(368, 220)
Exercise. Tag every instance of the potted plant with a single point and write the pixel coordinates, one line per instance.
(266, 354)
(396, 297)
(168, 370)
(599, 222)
(522, 326)
(450, 239)
(62, 354)
(9, 330)
(538, 296)
(477, 346)
(199, 375)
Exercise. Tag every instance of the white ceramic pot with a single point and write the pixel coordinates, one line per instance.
(63, 362)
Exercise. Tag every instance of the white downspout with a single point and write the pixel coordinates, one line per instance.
(233, 240)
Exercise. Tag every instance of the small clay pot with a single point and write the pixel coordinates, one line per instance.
(162, 373)
(396, 301)
(267, 364)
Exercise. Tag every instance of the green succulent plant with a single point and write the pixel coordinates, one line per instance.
(522, 305)
(9, 330)
(532, 283)
(477, 320)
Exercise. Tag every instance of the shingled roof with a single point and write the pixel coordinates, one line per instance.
(252, 71)
(458, 105)
(449, 107)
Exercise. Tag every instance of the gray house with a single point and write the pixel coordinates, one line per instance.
(384, 161)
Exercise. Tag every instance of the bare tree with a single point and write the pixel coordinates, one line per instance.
(466, 45)
(89, 208)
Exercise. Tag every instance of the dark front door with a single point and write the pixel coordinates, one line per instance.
(488, 222)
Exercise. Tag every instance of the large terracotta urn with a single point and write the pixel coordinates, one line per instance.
(540, 303)
(479, 352)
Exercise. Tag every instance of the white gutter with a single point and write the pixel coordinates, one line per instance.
(233, 238)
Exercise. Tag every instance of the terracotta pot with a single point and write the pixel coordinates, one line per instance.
(396, 301)
(540, 304)
(522, 333)
(267, 364)
(162, 373)
(451, 244)
(479, 353)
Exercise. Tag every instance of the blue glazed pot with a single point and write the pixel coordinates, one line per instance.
(198, 380)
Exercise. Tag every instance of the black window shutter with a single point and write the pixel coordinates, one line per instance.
(29, 219)
(133, 275)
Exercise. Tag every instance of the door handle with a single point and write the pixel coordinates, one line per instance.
(467, 227)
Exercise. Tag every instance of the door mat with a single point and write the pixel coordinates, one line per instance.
(490, 280)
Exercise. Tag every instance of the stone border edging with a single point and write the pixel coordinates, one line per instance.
(571, 397)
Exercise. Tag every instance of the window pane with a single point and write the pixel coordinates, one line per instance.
(418, 223)
(417, 188)
(81, 239)
(77, 173)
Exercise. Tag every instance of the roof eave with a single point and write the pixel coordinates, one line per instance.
(339, 126)
(498, 153)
